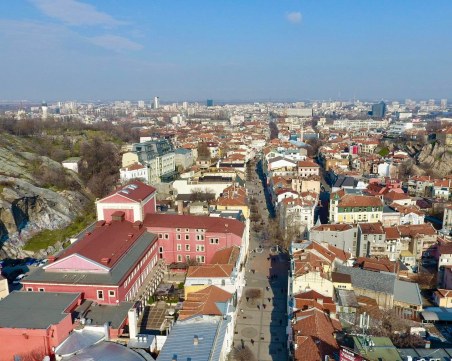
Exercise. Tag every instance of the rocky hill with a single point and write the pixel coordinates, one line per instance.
(436, 159)
(36, 193)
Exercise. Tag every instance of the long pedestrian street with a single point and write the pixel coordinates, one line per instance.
(262, 318)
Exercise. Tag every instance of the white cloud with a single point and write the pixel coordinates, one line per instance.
(114, 42)
(294, 17)
(73, 12)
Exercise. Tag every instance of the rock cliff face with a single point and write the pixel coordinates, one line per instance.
(436, 158)
(28, 206)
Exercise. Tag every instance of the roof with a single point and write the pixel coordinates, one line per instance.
(340, 277)
(204, 302)
(314, 335)
(116, 273)
(340, 227)
(350, 200)
(407, 292)
(105, 351)
(135, 191)
(384, 349)
(210, 271)
(80, 339)
(108, 241)
(35, 310)
(210, 332)
(210, 224)
(371, 228)
(227, 255)
(375, 281)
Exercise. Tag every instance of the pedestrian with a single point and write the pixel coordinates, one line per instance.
(258, 306)
(269, 299)
(264, 306)
(247, 299)
(252, 342)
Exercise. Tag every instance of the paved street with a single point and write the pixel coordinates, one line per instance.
(262, 320)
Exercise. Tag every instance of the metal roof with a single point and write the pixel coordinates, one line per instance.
(437, 314)
(105, 351)
(34, 310)
(79, 340)
(407, 292)
(375, 281)
(210, 331)
(113, 277)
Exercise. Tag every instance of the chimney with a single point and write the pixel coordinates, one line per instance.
(100, 224)
(105, 260)
(137, 225)
(196, 340)
(132, 318)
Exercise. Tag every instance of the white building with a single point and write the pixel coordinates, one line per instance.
(134, 171)
(72, 163)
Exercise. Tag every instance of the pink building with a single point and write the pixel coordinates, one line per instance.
(108, 265)
(35, 323)
(135, 199)
(184, 237)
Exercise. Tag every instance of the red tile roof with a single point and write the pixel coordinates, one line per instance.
(135, 191)
(314, 335)
(210, 224)
(210, 271)
(360, 201)
(227, 255)
(203, 302)
(107, 241)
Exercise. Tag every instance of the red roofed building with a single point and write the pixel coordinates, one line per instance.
(313, 335)
(135, 199)
(185, 237)
(108, 264)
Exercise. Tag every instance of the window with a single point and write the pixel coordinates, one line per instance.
(187, 258)
(187, 230)
(111, 293)
(177, 229)
(199, 248)
(160, 235)
(179, 247)
(200, 237)
(187, 247)
(178, 237)
(200, 259)
(29, 289)
(187, 237)
(214, 241)
(41, 289)
(179, 258)
(100, 295)
(161, 249)
(166, 236)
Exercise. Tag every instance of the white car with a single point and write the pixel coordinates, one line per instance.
(19, 278)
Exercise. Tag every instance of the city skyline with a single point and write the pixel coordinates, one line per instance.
(272, 50)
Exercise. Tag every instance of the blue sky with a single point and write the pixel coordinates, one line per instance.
(225, 49)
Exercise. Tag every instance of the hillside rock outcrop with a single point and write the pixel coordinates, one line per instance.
(28, 204)
(436, 158)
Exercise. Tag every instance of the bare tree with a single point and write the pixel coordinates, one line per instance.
(242, 354)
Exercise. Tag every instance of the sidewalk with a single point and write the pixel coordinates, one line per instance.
(261, 322)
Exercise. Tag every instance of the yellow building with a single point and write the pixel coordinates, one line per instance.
(355, 208)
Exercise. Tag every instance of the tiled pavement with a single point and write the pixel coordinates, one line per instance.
(263, 328)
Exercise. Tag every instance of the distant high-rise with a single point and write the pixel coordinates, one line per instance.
(156, 103)
(140, 103)
(209, 102)
(44, 109)
(379, 110)
(443, 104)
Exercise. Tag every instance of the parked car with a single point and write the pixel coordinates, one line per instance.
(19, 278)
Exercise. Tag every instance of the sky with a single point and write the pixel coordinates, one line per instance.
(226, 50)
